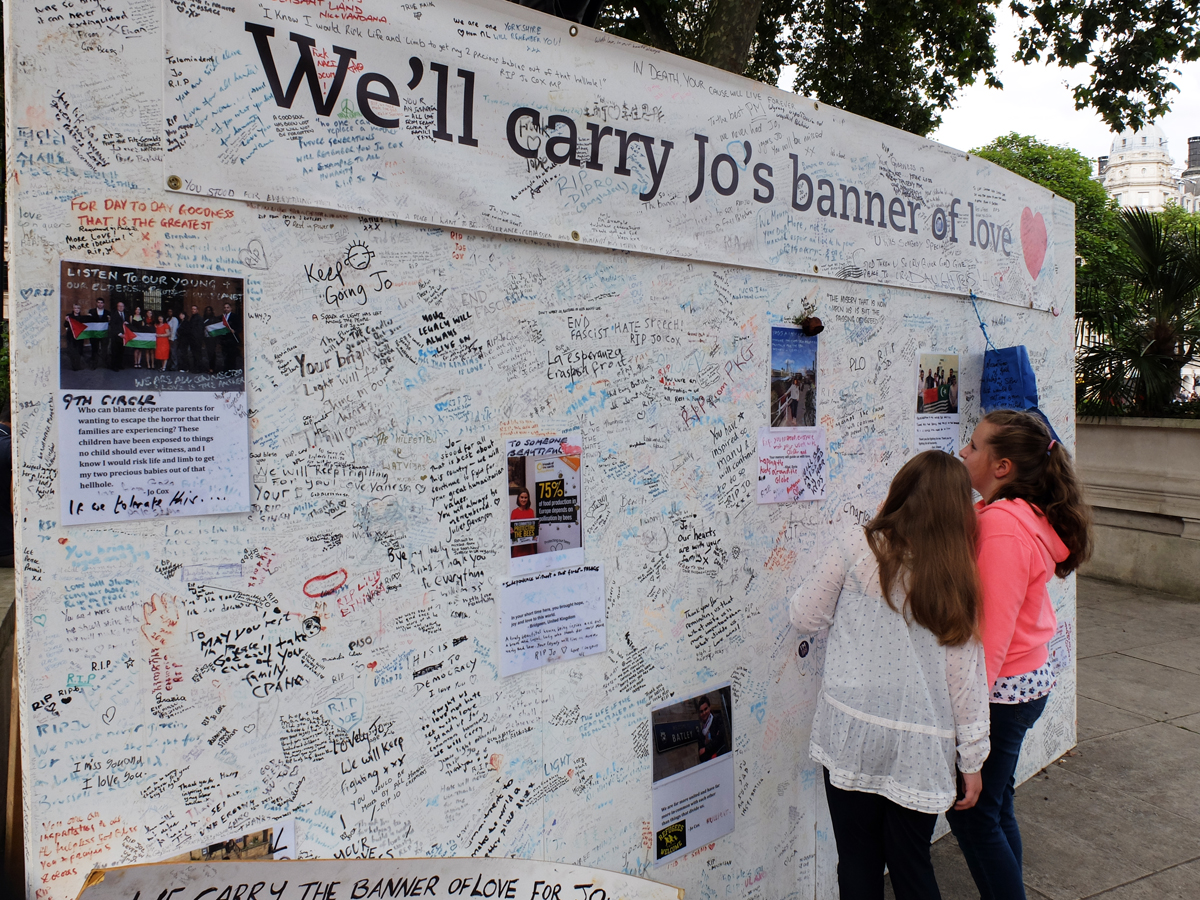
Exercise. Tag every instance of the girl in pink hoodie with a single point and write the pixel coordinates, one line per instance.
(1033, 523)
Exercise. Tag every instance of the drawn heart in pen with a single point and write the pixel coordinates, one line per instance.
(62, 540)
(1033, 241)
(66, 699)
(254, 255)
(248, 728)
(40, 619)
(216, 683)
(372, 665)
(109, 714)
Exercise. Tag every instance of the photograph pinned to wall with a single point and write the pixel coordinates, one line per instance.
(937, 402)
(152, 394)
(793, 378)
(791, 464)
(132, 329)
(692, 786)
(548, 616)
(544, 502)
(276, 842)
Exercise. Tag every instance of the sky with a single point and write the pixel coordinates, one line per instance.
(1036, 100)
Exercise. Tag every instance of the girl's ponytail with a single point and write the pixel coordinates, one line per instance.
(1065, 509)
(1044, 476)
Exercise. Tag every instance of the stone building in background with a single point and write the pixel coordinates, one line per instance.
(1137, 172)
(1189, 183)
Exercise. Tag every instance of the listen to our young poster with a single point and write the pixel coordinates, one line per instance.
(152, 394)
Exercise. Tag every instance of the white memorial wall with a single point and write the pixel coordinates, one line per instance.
(450, 229)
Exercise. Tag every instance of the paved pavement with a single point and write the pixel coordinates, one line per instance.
(1120, 818)
(8, 590)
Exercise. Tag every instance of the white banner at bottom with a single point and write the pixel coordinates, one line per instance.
(359, 879)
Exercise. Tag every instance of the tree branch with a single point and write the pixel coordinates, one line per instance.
(654, 25)
(729, 33)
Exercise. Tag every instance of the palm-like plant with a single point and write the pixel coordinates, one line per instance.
(1140, 323)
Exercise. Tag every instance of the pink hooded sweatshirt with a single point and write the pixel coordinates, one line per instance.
(1017, 550)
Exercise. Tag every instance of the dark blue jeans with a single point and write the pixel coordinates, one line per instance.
(988, 833)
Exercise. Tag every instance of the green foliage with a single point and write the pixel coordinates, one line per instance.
(1129, 45)
(897, 62)
(901, 62)
(1141, 325)
(1177, 219)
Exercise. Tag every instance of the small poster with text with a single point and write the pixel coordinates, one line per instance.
(152, 415)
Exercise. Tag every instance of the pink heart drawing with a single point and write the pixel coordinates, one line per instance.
(1033, 241)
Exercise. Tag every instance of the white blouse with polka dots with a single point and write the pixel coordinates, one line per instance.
(897, 710)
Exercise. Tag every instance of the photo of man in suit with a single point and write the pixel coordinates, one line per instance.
(116, 335)
(714, 736)
(98, 314)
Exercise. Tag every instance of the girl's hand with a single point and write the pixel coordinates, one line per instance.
(972, 785)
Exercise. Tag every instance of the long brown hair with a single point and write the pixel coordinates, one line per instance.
(924, 537)
(1044, 477)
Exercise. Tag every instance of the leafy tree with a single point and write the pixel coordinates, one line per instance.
(1178, 219)
(1130, 47)
(897, 62)
(902, 61)
(1142, 326)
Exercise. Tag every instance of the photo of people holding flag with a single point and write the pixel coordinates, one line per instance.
(165, 344)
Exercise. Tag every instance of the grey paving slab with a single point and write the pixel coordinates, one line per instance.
(1091, 592)
(1177, 883)
(1083, 836)
(1191, 723)
(8, 590)
(954, 878)
(1138, 686)
(1155, 763)
(1129, 634)
(1179, 654)
(1095, 719)
(1171, 611)
(1087, 617)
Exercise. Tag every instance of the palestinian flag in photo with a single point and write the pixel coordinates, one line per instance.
(218, 329)
(138, 340)
(85, 331)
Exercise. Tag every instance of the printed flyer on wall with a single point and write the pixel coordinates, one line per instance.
(152, 394)
(937, 402)
(549, 616)
(544, 499)
(692, 788)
